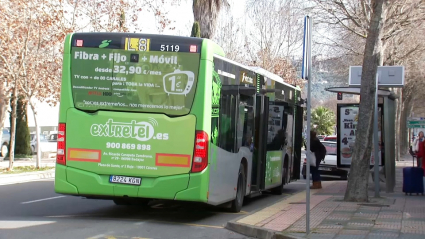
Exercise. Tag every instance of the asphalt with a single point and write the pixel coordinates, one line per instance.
(33, 210)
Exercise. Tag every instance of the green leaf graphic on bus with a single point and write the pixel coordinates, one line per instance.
(216, 89)
(105, 43)
(214, 136)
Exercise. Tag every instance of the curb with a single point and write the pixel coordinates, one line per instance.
(259, 232)
(26, 177)
(256, 232)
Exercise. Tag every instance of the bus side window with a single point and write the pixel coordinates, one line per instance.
(247, 123)
(227, 139)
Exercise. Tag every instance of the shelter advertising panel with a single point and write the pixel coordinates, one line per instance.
(347, 120)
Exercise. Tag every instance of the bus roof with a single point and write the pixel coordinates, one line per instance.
(271, 75)
(260, 71)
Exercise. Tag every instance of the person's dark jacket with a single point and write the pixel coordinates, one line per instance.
(278, 141)
(318, 149)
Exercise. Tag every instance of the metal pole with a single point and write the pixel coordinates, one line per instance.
(376, 140)
(307, 212)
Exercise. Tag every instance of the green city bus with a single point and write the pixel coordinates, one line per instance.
(149, 117)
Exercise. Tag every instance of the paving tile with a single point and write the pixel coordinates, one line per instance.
(295, 212)
(350, 237)
(321, 235)
(390, 215)
(338, 218)
(353, 232)
(331, 217)
(410, 236)
(385, 220)
(369, 209)
(418, 215)
(267, 220)
(346, 209)
(326, 230)
(296, 234)
(360, 224)
(365, 215)
(387, 225)
(382, 235)
(349, 204)
(270, 211)
(330, 226)
(413, 230)
(342, 213)
(295, 229)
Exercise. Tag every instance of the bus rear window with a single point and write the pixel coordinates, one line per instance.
(139, 81)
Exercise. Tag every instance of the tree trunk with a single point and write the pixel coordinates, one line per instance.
(206, 14)
(397, 123)
(357, 188)
(405, 112)
(13, 127)
(37, 133)
(4, 103)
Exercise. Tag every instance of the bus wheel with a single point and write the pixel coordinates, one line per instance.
(240, 191)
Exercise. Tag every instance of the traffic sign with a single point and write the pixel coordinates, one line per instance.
(419, 126)
(416, 122)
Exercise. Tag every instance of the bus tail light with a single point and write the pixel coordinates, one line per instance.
(200, 152)
(60, 155)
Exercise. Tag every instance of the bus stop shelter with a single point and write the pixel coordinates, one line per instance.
(386, 101)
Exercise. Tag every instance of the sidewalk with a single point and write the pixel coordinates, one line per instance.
(394, 215)
(45, 162)
(6, 179)
(12, 178)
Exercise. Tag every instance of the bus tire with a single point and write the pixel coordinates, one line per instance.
(240, 191)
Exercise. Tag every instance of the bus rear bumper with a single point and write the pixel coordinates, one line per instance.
(72, 181)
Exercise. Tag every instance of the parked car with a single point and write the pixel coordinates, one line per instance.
(5, 142)
(321, 137)
(45, 145)
(328, 166)
(52, 138)
(332, 138)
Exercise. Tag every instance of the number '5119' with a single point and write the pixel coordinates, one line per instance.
(170, 48)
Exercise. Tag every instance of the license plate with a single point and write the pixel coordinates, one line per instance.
(325, 169)
(125, 180)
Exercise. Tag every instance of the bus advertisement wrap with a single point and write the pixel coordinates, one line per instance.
(116, 79)
(273, 166)
(131, 145)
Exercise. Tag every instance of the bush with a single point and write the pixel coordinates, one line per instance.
(196, 30)
(22, 135)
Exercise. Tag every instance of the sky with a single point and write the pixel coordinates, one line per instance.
(183, 17)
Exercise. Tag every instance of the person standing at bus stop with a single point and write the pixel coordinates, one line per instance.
(319, 151)
(418, 147)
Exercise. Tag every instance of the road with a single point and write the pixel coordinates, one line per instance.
(33, 210)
